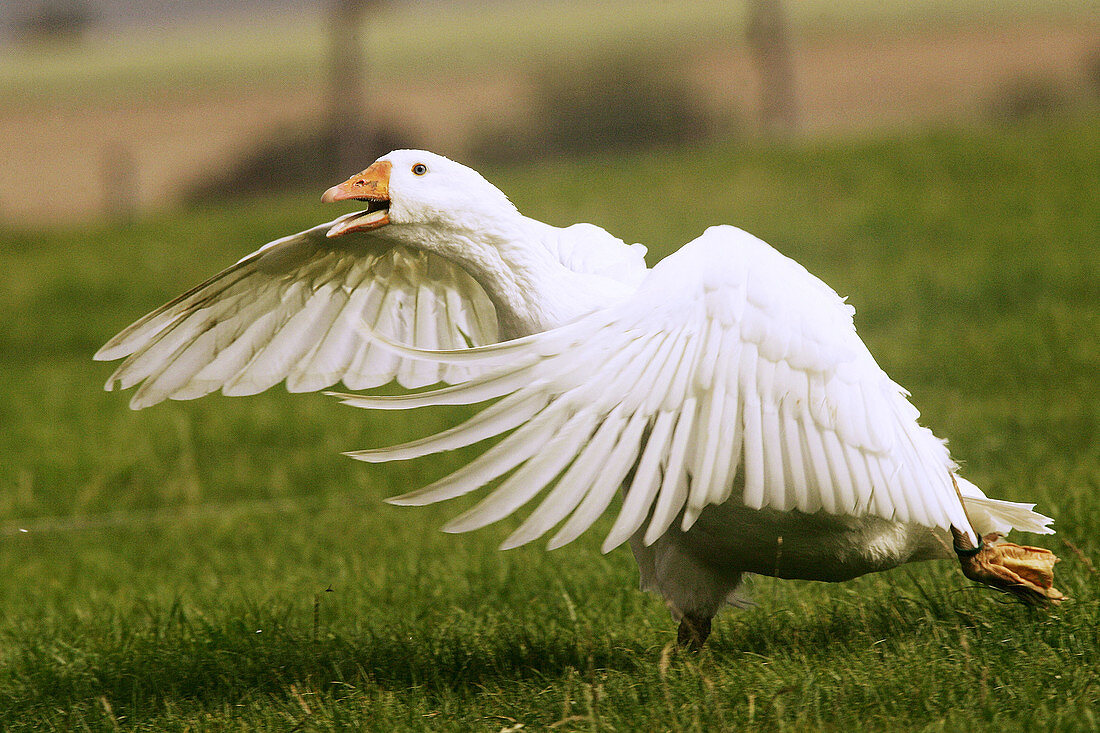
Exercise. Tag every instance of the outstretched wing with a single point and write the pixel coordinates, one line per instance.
(293, 310)
(732, 369)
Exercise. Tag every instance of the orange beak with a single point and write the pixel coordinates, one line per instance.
(372, 186)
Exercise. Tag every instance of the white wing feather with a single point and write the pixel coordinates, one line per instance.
(293, 311)
(730, 359)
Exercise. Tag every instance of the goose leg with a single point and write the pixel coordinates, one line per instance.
(693, 589)
(693, 632)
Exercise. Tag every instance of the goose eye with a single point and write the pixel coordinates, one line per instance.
(419, 169)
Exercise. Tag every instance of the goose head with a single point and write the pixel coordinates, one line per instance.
(432, 204)
(415, 188)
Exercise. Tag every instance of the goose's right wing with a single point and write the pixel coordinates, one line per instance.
(294, 310)
(732, 374)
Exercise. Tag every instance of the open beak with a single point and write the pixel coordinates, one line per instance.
(371, 186)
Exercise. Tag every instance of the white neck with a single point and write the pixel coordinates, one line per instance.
(514, 259)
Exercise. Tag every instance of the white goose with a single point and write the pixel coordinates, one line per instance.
(725, 391)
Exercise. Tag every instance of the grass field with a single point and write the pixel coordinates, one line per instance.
(217, 565)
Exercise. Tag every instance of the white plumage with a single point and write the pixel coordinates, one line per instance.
(293, 311)
(724, 392)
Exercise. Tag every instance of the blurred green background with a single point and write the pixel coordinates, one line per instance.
(170, 569)
(116, 108)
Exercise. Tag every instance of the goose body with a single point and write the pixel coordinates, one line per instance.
(723, 393)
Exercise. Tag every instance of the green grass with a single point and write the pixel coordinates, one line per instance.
(406, 42)
(177, 562)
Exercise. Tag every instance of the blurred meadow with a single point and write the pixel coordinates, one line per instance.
(217, 564)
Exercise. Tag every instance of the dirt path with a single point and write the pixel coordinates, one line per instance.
(52, 159)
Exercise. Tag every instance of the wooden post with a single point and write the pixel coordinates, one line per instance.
(769, 41)
(120, 184)
(346, 124)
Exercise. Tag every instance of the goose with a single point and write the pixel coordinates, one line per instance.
(722, 394)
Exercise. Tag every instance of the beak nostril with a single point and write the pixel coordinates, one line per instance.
(369, 184)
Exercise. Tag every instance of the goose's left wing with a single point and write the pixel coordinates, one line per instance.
(732, 374)
(292, 311)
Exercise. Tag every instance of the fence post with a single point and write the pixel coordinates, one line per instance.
(769, 41)
(120, 184)
(345, 109)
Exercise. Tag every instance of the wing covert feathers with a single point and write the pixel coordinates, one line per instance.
(731, 374)
(293, 311)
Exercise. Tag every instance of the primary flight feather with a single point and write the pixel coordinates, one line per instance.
(724, 393)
